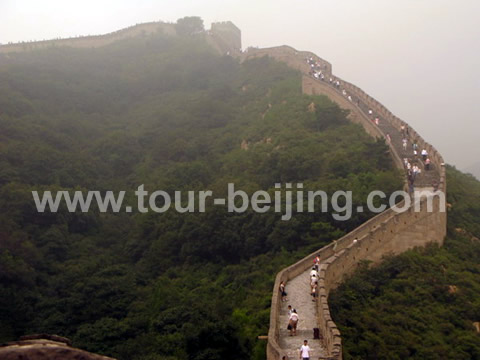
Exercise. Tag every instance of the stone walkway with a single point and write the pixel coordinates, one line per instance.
(298, 290)
(426, 177)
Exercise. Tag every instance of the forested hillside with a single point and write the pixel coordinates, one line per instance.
(422, 304)
(170, 113)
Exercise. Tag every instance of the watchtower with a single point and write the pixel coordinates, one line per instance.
(228, 36)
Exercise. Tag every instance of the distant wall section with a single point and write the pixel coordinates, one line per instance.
(92, 41)
(388, 233)
(227, 36)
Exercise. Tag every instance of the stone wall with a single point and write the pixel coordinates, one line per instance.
(225, 37)
(388, 233)
(92, 41)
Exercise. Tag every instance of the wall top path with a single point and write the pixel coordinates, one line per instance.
(388, 232)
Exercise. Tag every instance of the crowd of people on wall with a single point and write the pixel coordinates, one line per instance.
(413, 161)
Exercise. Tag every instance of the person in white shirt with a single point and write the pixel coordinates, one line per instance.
(305, 351)
(424, 154)
(416, 171)
(313, 272)
(427, 164)
(292, 322)
(313, 282)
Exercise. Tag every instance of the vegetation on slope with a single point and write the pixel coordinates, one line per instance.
(169, 113)
(423, 303)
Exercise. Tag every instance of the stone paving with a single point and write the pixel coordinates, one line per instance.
(298, 290)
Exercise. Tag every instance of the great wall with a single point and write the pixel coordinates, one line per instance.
(388, 233)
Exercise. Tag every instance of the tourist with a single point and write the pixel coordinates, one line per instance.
(404, 143)
(427, 164)
(313, 291)
(282, 291)
(316, 262)
(305, 351)
(290, 310)
(313, 272)
(292, 322)
(415, 171)
(415, 145)
(424, 154)
(389, 139)
(313, 281)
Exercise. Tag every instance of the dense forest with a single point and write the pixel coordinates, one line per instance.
(422, 304)
(172, 114)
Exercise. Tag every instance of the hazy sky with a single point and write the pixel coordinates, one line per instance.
(420, 58)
